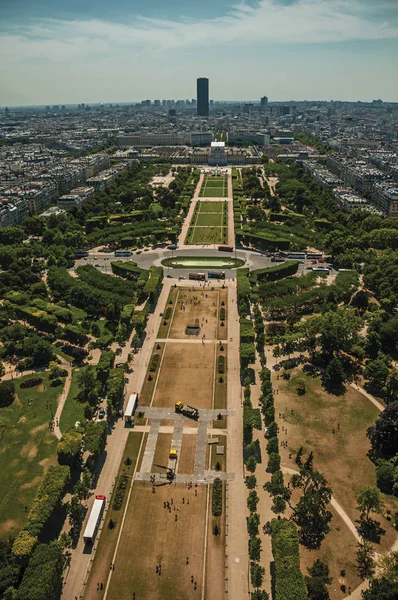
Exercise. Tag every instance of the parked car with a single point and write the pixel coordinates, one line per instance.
(102, 413)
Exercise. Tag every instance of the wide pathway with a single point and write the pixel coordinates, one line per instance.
(237, 540)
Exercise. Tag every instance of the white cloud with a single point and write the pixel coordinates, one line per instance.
(304, 21)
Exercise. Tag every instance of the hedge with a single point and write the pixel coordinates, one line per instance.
(222, 314)
(154, 282)
(247, 354)
(119, 492)
(289, 581)
(42, 578)
(216, 501)
(263, 241)
(246, 331)
(221, 364)
(31, 382)
(290, 267)
(154, 362)
(128, 270)
(47, 499)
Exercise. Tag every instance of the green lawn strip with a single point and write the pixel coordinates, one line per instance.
(214, 193)
(220, 390)
(78, 313)
(27, 447)
(210, 235)
(209, 219)
(73, 409)
(108, 538)
(211, 207)
(164, 328)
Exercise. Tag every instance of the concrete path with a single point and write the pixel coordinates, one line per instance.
(337, 507)
(360, 389)
(237, 583)
(61, 403)
(231, 225)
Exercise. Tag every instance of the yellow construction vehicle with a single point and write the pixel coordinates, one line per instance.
(186, 410)
(173, 453)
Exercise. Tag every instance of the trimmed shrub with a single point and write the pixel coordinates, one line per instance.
(31, 382)
(216, 501)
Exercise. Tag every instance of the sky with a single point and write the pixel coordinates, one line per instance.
(60, 52)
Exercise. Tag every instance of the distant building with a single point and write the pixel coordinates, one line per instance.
(202, 87)
(218, 156)
(264, 102)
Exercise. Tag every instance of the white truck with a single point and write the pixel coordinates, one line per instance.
(131, 406)
(94, 519)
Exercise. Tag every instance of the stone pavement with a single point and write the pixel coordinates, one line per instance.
(150, 446)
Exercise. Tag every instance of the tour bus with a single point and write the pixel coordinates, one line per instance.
(123, 253)
(216, 274)
(314, 255)
(81, 253)
(296, 255)
(225, 248)
(197, 276)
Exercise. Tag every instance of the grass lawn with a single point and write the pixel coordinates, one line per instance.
(214, 193)
(334, 428)
(73, 409)
(208, 219)
(106, 545)
(27, 448)
(208, 235)
(211, 207)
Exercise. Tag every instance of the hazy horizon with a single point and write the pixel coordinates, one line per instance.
(57, 53)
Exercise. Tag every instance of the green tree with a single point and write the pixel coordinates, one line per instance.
(257, 573)
(334, 376)
(254, 548)
(76, 512)
(317, 580)
(7, 393)
(384, 434)
(251, 481)
(365, 559)
(88, 385)
(376, 373)
(251, 464)
(259, 595)
(370, 500)
(253, 521)
(252, 501)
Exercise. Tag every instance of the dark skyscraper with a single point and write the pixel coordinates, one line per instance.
(202, 97)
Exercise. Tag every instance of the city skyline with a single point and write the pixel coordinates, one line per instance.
(291, 49)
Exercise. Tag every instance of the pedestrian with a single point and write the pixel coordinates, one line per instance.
(183, 500)
(157, 569)
(349, 591)
(187, 560)
(176, 518)
(192, 578)
(333, 430)
(338, 426)
(102, 586)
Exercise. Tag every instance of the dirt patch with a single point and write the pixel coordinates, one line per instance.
(187, 457)
(195, 308)
(46, 462)
(8, 527)
(41, 388)
(186, 375)
(29, 451)
(161, 456)
(35, 482)
(38, 429)
(21, 420)
(162, 539)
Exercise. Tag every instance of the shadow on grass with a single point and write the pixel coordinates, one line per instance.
(371, 530)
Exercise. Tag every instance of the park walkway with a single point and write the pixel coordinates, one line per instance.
(188, 218)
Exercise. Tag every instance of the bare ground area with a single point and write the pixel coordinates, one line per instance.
(186, 375)
(152, 536)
